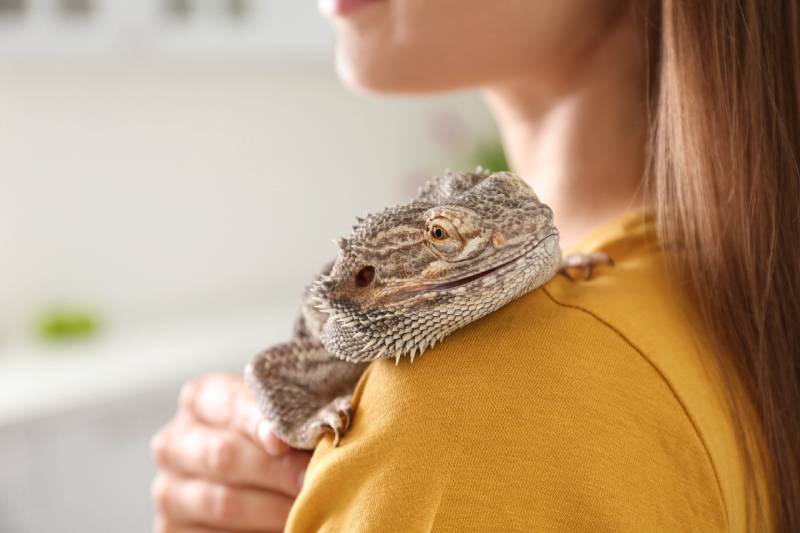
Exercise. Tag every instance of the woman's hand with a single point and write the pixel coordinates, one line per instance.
(219, 466)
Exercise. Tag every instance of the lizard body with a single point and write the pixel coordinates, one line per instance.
(406, 277)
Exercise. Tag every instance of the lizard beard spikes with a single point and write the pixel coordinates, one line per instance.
(404, 334)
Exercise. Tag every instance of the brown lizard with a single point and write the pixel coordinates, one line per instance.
(406, 277)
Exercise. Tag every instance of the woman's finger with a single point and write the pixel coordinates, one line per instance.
(206, 504)
(226, 457)
(224, 401)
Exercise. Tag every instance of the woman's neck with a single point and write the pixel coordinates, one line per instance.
(581, 146)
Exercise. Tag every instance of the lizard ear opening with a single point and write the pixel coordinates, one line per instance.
(365, 276)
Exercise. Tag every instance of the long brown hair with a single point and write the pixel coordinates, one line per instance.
(725, 146)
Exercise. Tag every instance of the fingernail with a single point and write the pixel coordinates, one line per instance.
(267, 439)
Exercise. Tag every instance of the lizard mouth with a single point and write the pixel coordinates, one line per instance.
(469, 279)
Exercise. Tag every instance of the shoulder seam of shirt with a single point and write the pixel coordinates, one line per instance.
(666, 381)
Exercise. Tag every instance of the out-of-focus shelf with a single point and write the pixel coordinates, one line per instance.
(39, 380)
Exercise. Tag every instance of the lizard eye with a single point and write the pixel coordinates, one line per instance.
(443, 237)
(365, 276)
(438, 233)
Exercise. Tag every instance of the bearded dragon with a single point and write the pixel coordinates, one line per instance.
(405, 278)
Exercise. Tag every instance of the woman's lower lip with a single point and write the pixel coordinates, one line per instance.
(342, 7)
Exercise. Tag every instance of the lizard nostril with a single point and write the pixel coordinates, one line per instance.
(365, 276)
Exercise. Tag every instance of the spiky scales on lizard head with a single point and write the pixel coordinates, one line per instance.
(410, 275)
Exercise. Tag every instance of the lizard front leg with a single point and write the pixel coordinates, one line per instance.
(304, 391)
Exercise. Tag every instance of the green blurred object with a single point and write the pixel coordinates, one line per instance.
(66, 324)
(491, 156)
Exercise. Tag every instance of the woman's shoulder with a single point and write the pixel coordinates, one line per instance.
(540, 416)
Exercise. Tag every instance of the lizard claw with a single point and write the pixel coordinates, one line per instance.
(317, 429)
(337, 434)
(336, 418)
(586, 262)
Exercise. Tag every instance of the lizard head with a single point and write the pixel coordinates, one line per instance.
(411, 274)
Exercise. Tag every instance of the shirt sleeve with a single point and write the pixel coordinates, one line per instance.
(536, 418)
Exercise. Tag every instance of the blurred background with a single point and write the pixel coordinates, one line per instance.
(172, 173)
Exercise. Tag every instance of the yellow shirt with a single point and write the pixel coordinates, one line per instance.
(582, 406)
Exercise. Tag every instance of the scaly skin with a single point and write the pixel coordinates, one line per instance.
(403, 280)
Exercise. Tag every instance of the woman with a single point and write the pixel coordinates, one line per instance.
(663, 394)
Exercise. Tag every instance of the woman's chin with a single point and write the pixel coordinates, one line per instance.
(389, 74)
